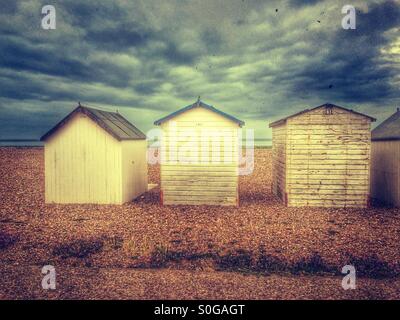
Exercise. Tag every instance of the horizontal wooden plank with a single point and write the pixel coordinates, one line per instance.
(328, 181)
(197, 162)
(330, 192)
(344, 177)
(199, 184)
(325, 151)
(327, 137)
(232, 188)
(329, 130)
(339, 126)
(339, 119)
(200, 168)
(204, 153)
(327, 203)
(328, 157)
(199, 198)
(327, 172)
(199, 203)
(327, 146)
(197, 177)
(342, 187)
(305, 196)
(324, 166)
(328, 143)
(217, 165)
(195, 194)
(329, 161)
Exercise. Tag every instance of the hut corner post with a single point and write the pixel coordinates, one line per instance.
(369, 201)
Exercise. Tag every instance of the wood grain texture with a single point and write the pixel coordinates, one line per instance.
(323, 159)
(199, 152)
(85, 164)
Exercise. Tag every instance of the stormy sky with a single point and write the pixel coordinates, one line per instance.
(255, 59)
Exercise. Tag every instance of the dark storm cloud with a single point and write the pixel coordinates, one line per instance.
(300, 3)
(21, 87)
(117, 37)
(8, 7)
(106, 24)
(212, 40)
(17, 54)
(351, 71)
(173, 54)
(147, 87)
(21, 56)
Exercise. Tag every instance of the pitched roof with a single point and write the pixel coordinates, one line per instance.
(112, 122)
(388, 129)
(325, 105)
(197, 104)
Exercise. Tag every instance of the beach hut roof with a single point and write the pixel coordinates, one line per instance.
(388, 129)
(198, 104)
(325, 105)
(112, 122)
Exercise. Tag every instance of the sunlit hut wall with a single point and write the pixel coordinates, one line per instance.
(321, 158)
(385, 161)
(199, 157)
(94, 156)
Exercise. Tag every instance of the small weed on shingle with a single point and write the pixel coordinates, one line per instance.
(78, 249)
(7, 240)
(234, 260)
(373, 267)
(314, 264)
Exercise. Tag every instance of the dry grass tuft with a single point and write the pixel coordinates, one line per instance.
(81, 248)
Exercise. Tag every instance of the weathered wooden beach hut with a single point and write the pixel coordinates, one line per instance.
(199, 156)
(94, 156)
(385, 161)
(321, 157)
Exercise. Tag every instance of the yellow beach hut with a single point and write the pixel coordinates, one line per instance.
(199, 156)
(94, 156)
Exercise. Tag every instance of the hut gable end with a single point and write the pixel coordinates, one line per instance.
(196, 105)
(318, 113)
(388, 129)
(112, 122)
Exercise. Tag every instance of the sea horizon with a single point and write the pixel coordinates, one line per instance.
(38, 143)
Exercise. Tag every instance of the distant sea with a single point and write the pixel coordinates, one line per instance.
(37, 143)
(20, 143)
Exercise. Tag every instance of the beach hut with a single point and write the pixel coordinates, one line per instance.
(94, 156)
(385, 161)
(321, 157)
(199, 156)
